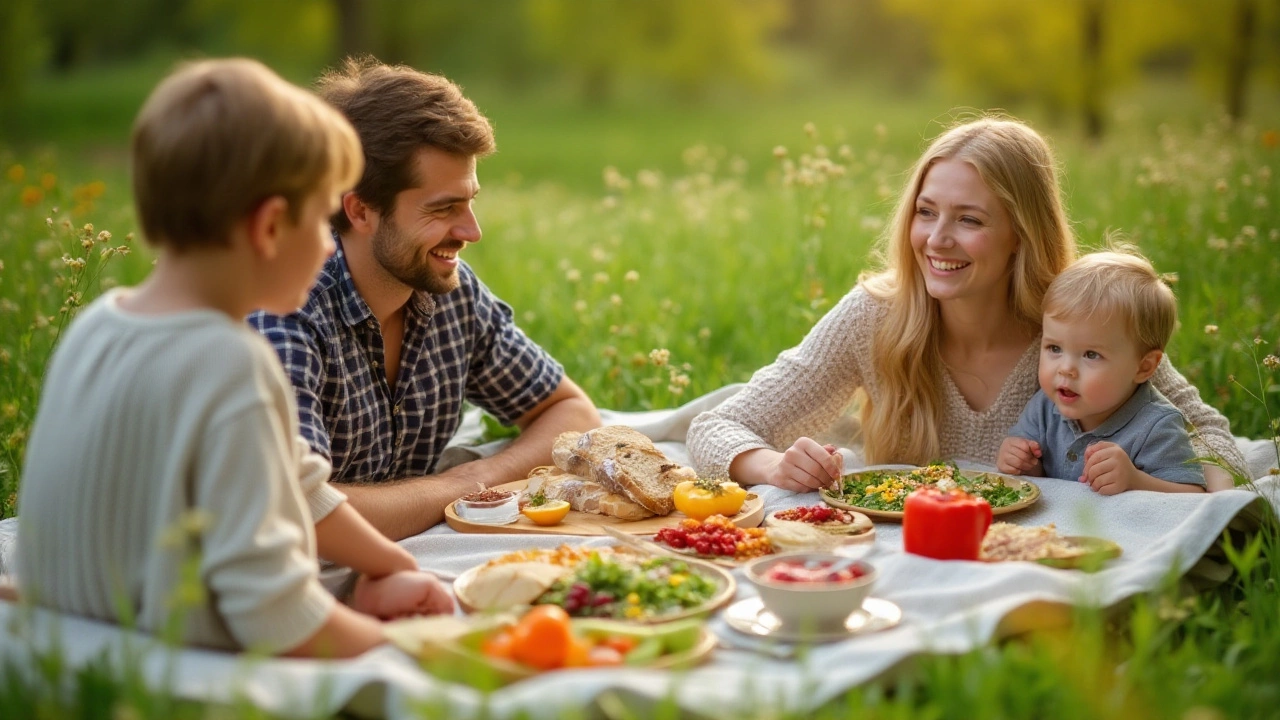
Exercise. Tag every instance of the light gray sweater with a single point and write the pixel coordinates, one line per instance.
(805, 390)
(163, 438)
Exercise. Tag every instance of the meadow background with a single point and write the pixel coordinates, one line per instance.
(706, 179)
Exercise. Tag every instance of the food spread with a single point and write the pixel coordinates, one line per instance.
(887, 490)
(797, 571)
(716, 536)
(1005, 541)
(615, 588)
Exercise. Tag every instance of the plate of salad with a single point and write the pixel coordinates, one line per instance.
(880, 493)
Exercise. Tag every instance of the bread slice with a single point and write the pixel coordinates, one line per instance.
(622, 461)
(583, 495)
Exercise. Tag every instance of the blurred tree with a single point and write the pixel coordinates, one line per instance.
(686, 44)
(20, 47)
(1072, 53)
(294, 37)
(860, 37)
(85, 31)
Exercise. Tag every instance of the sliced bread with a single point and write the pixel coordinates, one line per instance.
(622, 461)
(583, 495)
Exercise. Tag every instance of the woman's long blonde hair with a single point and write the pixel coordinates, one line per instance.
(901, 423)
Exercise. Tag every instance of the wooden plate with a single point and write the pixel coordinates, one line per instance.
(439, 644)
(1094, 552)
(580, 523)
(726, 588)
(1031, 490)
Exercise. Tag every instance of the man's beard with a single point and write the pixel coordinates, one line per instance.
(394, 252)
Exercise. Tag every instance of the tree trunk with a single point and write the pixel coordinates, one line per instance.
(351, 27)
(1240, 55)
(1091, 95)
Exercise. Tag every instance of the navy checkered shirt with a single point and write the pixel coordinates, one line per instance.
(459, 346)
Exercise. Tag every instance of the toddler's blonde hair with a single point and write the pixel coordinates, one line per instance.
(1116, 285)
(218, 137)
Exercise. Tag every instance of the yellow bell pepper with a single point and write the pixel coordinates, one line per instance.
(700, 499)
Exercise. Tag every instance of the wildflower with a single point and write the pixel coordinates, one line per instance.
(649, 179)
(580, 307)
(31, 196)
(1261, 201)
(1216, 243)
(631, 276)
(1210, 329)
(609, 202)
(1271, 362)
(1270, 139)
(1220, 185)
(882, 132)
(104, 236)
(16, 173)
(704, 333)
(48, 181)
(10, 411)
(811, 130)
(599, 255)
(638, 360)
(660, 356)
(780, 151)
(49, 222)
(609, 352)
(1264, 173)
(572, 275)
(614, 329)
(1170, 278)
(600, 278)
(615, 300)
(1258, 341)
(675, 390)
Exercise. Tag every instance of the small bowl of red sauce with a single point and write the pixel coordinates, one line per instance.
(815, 589)
(488, 506)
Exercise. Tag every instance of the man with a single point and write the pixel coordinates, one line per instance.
(398, 331)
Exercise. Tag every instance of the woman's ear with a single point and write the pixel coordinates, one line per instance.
(1148, 364)
(266, 226)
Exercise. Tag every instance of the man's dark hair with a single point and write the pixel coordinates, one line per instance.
(397, 110)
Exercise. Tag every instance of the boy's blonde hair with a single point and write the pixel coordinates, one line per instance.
(1117, 285)
(218, 137)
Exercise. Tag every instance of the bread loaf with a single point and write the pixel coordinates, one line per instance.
(622, 461)
(583, 495)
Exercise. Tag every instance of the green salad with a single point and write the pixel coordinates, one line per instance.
(631, 591)
(887, 490)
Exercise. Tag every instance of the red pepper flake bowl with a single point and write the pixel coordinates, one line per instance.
(818, 590)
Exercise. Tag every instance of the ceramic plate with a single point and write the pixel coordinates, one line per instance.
(726, 587)
(1029, 491)
(1093, 552)
(750, 616)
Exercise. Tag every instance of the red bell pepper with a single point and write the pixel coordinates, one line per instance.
(944, 524)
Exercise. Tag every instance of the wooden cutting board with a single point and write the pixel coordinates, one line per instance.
(580, 523)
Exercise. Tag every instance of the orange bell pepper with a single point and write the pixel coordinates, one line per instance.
(944, 524)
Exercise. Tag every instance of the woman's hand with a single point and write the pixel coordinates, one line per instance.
(401, 594)
(1019, 456)
(804, 467)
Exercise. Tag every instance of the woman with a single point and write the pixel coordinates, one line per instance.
(940, 346)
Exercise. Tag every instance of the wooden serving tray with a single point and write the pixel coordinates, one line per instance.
(580, 523)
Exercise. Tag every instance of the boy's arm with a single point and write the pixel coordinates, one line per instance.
(1021, 452)
(344, 537)
(1165, 454)
(408, 507)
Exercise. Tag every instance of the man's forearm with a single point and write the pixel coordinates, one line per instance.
(407, 507)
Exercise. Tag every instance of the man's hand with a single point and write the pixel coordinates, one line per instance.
(1020, 456)
(804, 467)
(1108, 469)
(401, 594)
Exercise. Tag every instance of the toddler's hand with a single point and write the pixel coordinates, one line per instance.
(1019, 456)
(401, 594)
(1108, 469)
(806, 466)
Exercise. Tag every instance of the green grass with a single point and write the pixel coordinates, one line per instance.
(730, 268)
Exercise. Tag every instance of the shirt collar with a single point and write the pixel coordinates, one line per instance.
(1142, 396)
(353, 307)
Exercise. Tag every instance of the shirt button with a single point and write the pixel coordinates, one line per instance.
(395, 410)
(1072, 456)
(374, 364)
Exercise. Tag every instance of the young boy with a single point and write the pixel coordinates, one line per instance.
(167, 433)
(1107, 319)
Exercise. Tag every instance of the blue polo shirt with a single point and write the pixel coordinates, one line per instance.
(460, 346)
(1150, 430)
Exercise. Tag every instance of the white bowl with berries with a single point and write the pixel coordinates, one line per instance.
(818, 590)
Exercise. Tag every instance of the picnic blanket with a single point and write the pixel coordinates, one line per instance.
(948, 607)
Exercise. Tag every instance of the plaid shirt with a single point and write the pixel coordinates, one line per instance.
(459, 346)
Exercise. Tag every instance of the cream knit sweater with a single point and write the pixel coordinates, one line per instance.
(162, 440)
(805, 390)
